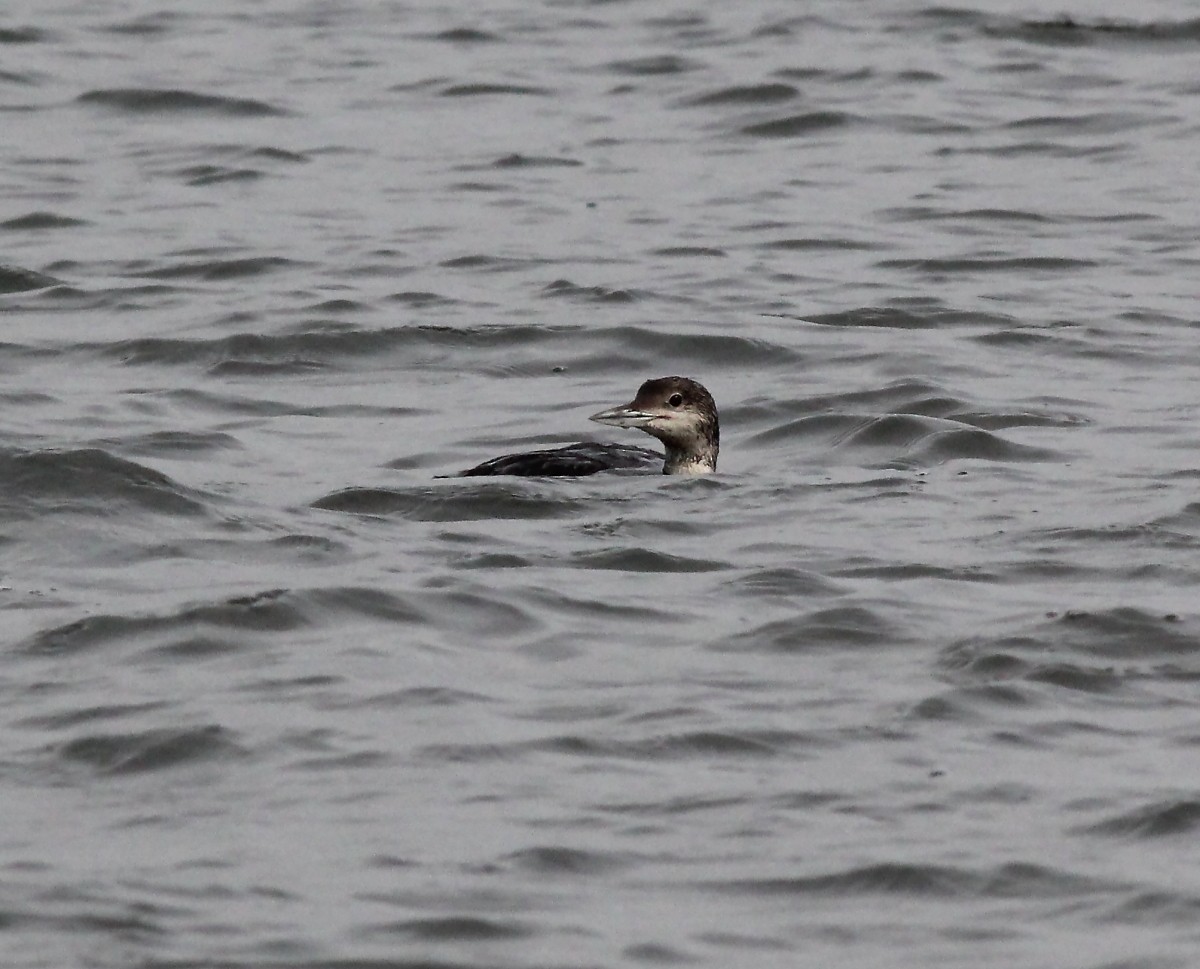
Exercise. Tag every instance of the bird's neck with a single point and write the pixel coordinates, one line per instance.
(700, 460)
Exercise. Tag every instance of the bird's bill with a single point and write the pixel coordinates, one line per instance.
(627, 416)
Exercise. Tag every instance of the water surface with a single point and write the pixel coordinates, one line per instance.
(912, 681)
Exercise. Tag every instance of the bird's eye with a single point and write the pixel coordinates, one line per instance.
(675, 400)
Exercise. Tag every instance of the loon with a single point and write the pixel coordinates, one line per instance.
(678, 411)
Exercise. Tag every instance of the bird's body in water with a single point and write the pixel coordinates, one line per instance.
(677, 410)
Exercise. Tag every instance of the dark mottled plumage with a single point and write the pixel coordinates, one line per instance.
(571, 461)
(676, 410)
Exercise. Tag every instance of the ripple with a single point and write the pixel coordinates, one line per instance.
(267, 612)
(13, 279)
(149, 25)
(936, 441)
(924, 213)
(915, 438)
(783, 581)
(175, 101)
(24, 35)
(261, 407)
(1069, 31)
(318, 346)
(41, 221)
(1011, 881)
(744, 94)
(201, 175)
(491, 264)
(702, 348)
(1155, 910)
(816, 245)
(652, 65)
(1098, 122)
(219, 270)
(455, 928)
(644, 560)
(974, 704)
(91, 714)
(655, 953)
(998, 264)
(173, 443)
(420, 298)
(687, 745)
(690, 251)
(833, 626)
(466, 35)
(562, 860)
(416, 697)
(478, 90)
(509, 500)
(890, 317)
(1075, 650)
(1159, 820)
(87, 480)
(535, 161)
(588, 294)
(798, 125)
(151, 750)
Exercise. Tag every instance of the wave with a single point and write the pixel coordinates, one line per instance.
(1076, 650)
(832, 626)
(797, 125)
(481, 89)
(137, 100)
(769, 93)
(87, 480)
(235, 619)
(1009, 881)
(477, 502)
(911, 438)
(40, 221)
(150, 750)
(1071, 31)
(917, 318)
(14, 279)
(320, 345)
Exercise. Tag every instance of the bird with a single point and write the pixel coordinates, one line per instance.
(679, 411)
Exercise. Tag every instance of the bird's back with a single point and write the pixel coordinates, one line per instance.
(571, 461)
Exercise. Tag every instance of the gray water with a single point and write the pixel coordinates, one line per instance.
(913, 681)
